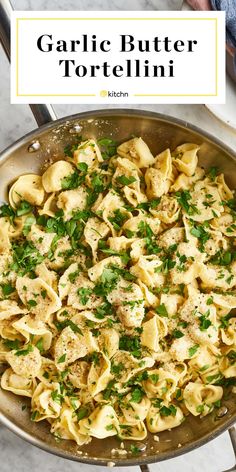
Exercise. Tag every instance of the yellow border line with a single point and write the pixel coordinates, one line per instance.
(96, 19)
(17, 57)
(136, 94)
(216, 54)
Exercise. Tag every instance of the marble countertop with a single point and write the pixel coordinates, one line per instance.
(15, 121)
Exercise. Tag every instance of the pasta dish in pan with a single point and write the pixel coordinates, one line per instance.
(117, 285)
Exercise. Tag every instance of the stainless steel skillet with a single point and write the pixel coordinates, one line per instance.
(29, 154)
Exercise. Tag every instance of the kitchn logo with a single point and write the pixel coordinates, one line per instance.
(113, 93)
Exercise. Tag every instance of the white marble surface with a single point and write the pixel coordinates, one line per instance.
(15, 121)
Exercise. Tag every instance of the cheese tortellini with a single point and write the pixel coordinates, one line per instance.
(118, 290)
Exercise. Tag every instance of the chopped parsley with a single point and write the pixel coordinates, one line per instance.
(12, 344)
(7, 289)
(199, 231)
(212, 173)
(131, 344)
(205, 323)
(39, 344)
(32, 303)
(61, 359)
(82, 412)
(168, 411)
(184, 199)
(84, 294)
(25, 258)
(29, 221)
(57, 397)
(74, 180)
(69, 149)
(177, 334)
(145, 232)
(24, 352)
(116, 369)
(135, 449)
(60, 325)
(7, 211)
(118, 219)
(192, 350)
(123, 180)
(137, 395)
(161, 310)
(107, 147)
(223, 258)
(23, 208)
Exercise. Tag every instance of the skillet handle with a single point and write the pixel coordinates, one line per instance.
(42, 113)
(144, 468)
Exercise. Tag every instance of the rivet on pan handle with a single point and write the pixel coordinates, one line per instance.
(42, 113)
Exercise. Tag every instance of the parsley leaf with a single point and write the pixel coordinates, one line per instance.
(131, 344)
(107, 147)
(72, 181)
(7, 211)
(60, 325)
(118, 219)
(25, 257)
(7, 289)
(223, 258)
(192, 350)
(161, 310)
(205, 323)
(82, 412)
(184, 199)
(135, 449)
(84, 294)
(61, 359)
(29, 221)
(167, 411)
(137, 395)
(24, 352)
(23, 208)
(12, 344)
(123, 180)
(213, 172)
(39, 345)
(70, 148)
(177, 334)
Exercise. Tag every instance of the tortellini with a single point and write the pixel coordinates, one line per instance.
(186, 158)
(137, 151)
(23, 363)
(40, 298)
(54, 175)
(199, 399)
(117, 290)
(27, 187)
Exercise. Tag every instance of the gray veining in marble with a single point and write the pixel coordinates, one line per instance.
(15, 121)
(97, 4)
